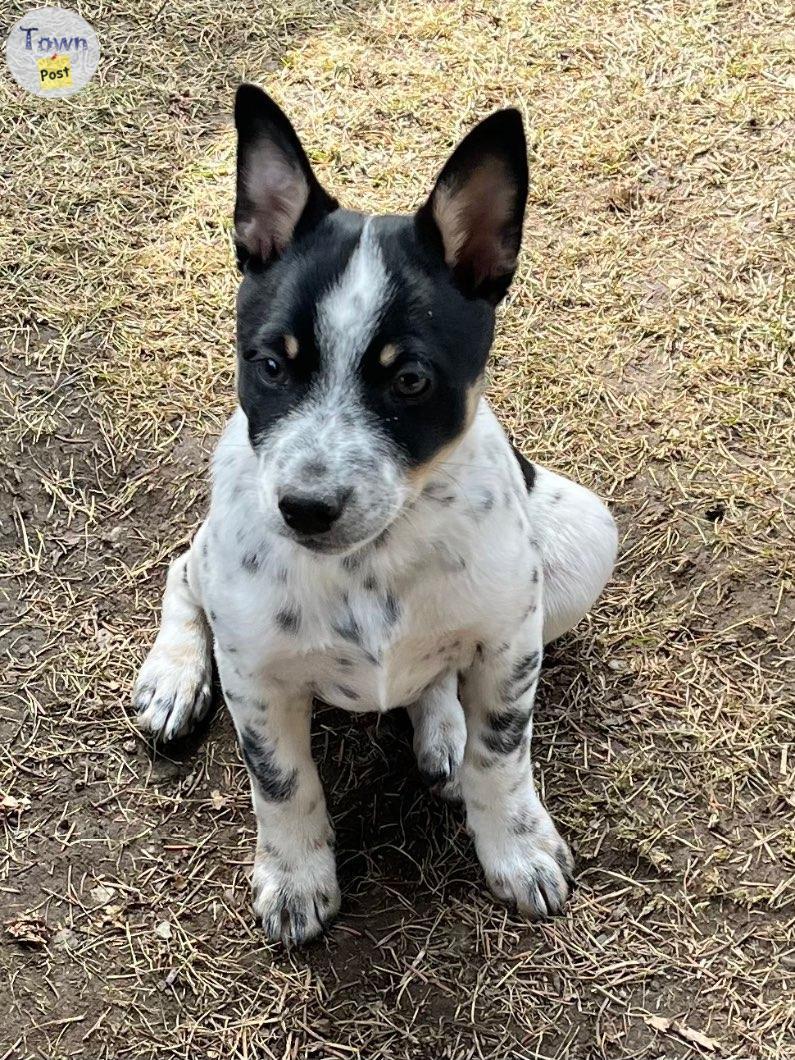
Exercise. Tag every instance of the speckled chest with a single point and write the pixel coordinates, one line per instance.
(359, 643)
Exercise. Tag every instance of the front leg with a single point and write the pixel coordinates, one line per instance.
(172, 690)
(526, 862)
(295, 880)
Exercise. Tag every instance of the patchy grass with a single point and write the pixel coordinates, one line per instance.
(645, 350)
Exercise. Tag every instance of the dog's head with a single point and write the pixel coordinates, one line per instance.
(362, 341)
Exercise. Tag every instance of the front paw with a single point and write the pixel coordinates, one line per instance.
(529, 868)
(295, 902)
(172, 692)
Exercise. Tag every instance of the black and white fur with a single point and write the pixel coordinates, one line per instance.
(373, 539)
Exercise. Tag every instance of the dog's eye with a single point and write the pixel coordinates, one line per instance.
(411, 382)
(273, 368)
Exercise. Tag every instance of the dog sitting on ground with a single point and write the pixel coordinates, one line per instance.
(373, 540)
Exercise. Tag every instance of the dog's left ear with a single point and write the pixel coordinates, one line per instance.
(278, 195)
(475, 212)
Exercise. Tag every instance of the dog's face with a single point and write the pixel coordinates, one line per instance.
(362, 341)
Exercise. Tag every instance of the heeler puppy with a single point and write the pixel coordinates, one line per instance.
(373, 539)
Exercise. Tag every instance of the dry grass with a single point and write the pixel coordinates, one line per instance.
(644, 351)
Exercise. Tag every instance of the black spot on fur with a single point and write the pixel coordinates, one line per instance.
(143, 697)
(289, 619)
(315, 469)
(352, 562)
(527, 469)
(370, 583)
(486, 502)
(523, 823)
(507, 730)
(391, 609)
(535, 576)
(453, 562)
(348, 693)
(525, 665)
(344, 663)
(251, 562)
(382, 538)
(347, 627)
(297, 917)
(185, 575)
(514, 690)
(440, 493)
(213, 616)
(274, 783)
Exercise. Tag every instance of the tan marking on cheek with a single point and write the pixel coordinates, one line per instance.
(291, 346)
(418, 476)
(388, 354)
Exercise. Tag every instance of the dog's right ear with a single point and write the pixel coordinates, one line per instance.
(475, 212)
(278, 195)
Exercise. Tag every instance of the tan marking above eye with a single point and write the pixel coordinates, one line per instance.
(388, 354)
(291, 346)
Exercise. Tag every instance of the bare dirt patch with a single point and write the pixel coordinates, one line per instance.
(645, 349)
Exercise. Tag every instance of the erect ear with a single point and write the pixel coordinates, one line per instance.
(475, 212)
(278, 195)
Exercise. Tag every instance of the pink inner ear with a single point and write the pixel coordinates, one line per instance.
(473, 217)
(278, 192)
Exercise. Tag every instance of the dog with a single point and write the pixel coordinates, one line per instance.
(373, 538)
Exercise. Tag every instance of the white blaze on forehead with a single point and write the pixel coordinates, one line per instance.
(348, 315)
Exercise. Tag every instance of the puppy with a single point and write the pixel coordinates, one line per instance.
(373, 540)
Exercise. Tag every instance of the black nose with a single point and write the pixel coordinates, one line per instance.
(310, 515)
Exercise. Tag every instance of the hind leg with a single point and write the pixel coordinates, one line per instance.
(172, 692)
(439, 736)
(578, 541)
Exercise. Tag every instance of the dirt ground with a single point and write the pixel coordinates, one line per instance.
(644, 350)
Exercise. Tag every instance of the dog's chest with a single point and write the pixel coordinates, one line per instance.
(365, 649)
(393, 675)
